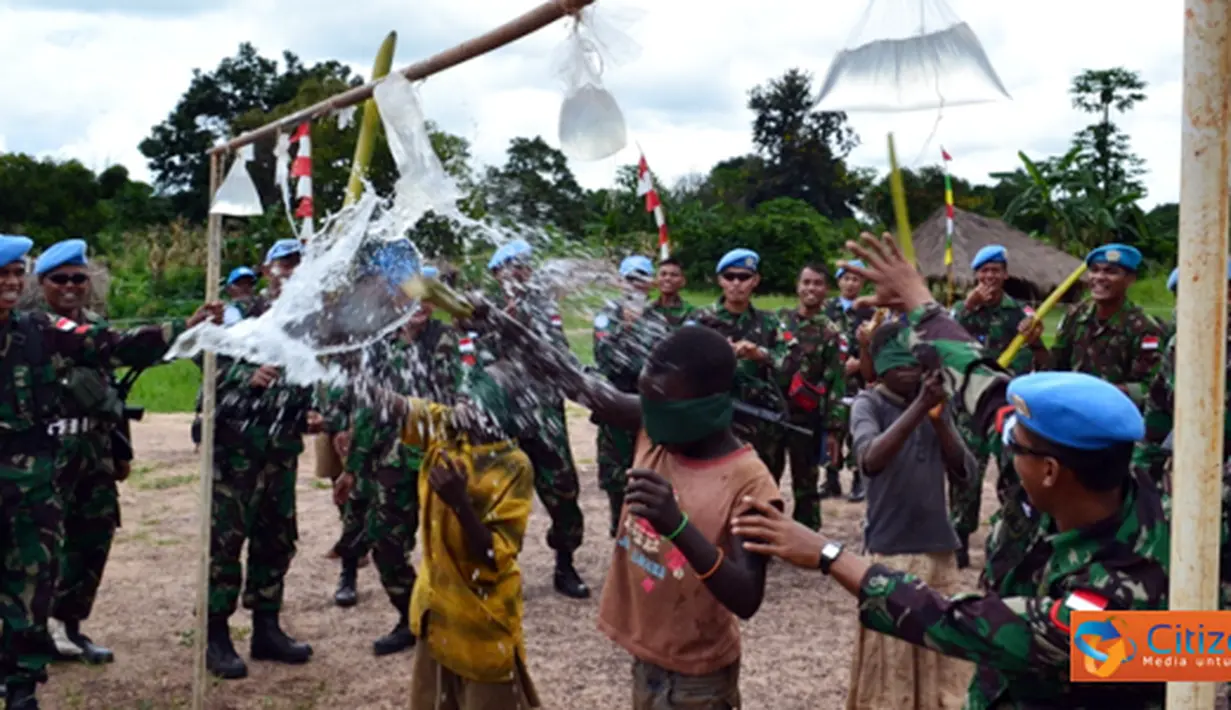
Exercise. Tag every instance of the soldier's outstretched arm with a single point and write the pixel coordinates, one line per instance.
(97, 344)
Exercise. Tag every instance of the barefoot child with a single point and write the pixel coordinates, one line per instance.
(679, 582)
(475, 488)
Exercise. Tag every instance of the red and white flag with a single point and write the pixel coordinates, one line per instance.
(645, 187)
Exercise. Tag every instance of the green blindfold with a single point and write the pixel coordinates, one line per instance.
(684, 421)
(892, 354)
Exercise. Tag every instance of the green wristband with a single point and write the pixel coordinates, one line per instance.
(680, 529)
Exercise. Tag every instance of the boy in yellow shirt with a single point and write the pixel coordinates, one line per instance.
(475, 492)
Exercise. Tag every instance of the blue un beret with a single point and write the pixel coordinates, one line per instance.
(842, 269)
(990, 254)
(1173, 281)
(1116, 255)
(240, 272)
(282, 249)
(430, 272)
(740, 259)
(70, 252)
(516, 249)
(1074, 409)
(396, 261)
(13, 248)
(636, 264)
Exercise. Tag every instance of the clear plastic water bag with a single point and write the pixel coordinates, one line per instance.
(908, 55)
(591, 122)
(237, 196)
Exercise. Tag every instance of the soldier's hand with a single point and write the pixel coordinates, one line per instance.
(1031, 329)
(342, 487)
(316, 423)
(448, 479)
(650, 496)
(265, 376)
(212, 310)
(977, 296)
(341, 443)
(767, 531)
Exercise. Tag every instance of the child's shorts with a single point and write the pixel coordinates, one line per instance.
(434, 687)
(656, 688)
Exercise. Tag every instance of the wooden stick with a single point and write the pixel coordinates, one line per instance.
(209, 370)
(532, 21)
(1006, 357)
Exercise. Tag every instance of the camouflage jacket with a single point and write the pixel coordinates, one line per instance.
(620, 349)
(538, 311)
(261, 421)
(755, 383)
(849, 321)
(1124, 350)
(428, 368)
(995, 327)
(36, 351)
(1017, 630)
(816, 351)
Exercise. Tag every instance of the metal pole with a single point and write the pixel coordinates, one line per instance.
(532, 21)
(209, 379)
(1200, 376)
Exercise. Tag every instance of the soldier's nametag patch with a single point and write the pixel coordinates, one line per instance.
(1150, 342)
(65, 324)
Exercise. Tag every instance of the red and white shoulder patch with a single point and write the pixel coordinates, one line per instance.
(82, 329)
(65, 324)
(1150, 342)
(556, 320)
(843, 345)
(1080, 600)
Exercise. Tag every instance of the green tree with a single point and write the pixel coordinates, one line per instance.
(1104, 148)
(535, 188)
(804, 150)
(925, 193)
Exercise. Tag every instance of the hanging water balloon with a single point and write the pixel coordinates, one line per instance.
(908, 55)
(591, 123)
(237, 196)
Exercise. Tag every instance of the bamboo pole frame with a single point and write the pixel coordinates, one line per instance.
(532, 21)
(1201, 358)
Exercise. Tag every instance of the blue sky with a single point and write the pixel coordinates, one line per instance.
(88, 78)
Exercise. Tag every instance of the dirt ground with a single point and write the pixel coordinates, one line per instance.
(796, 650)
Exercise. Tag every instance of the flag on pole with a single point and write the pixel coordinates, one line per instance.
(948, 210)
(301, 171)
(645, 187)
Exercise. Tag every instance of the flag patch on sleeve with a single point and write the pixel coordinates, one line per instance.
(65, 324)
(1079, 600)
(1150, 342)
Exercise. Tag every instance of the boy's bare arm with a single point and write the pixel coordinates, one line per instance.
(449, 481)
(953, 451)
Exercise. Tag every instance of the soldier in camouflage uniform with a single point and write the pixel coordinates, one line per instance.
(241, 290)
(260, 422)
(756, 338)
(335, 403)
(813, 376)
(1110, 556)
(1109, 336)
(555, 474)
(992, 317)
(87, 468)
(842, 311)
(423, 361)
(36, 352)
(621, 344)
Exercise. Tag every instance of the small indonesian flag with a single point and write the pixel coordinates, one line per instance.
(466, 346)
(65, 324)
(1029, 311)
(843, 345)
(787, 336)
(1150, 342)
(556, 320)
(1080, 600)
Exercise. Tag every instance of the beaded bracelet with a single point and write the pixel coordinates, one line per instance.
(680, 529)
(717, 564)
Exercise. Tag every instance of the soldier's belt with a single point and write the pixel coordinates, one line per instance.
(71, 427)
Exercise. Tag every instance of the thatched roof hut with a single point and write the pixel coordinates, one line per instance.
(1035, 268)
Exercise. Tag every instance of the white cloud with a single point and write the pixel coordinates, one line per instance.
(89, 79)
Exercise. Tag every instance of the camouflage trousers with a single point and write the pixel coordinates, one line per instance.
(353, 541)
(615, 448)
(85, 482)
(555, 479)
(392, 522)
(803, 453)
(254, 501)
(966, 498)
(30, 526)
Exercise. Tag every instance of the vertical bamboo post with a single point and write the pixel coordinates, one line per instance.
(209, 379)
(1200, 377)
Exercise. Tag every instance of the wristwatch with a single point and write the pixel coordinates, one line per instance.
(829, 553)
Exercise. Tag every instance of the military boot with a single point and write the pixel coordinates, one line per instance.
(857, 491)
(568, 582)
(91, 652)
(400, 638)
(346, 595)
(220, 656)
(832, 488)
(270, 642)
(617, 504)
(963, 552)
(20, 696)
(64, 649)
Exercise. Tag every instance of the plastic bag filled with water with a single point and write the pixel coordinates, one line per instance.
(907, 55)
(591, 122)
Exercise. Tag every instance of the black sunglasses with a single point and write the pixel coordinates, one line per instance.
(739, 276)
(1018, 449)
(62, 279)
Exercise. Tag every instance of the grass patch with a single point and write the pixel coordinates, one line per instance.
(167, 388)
(163, 483)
